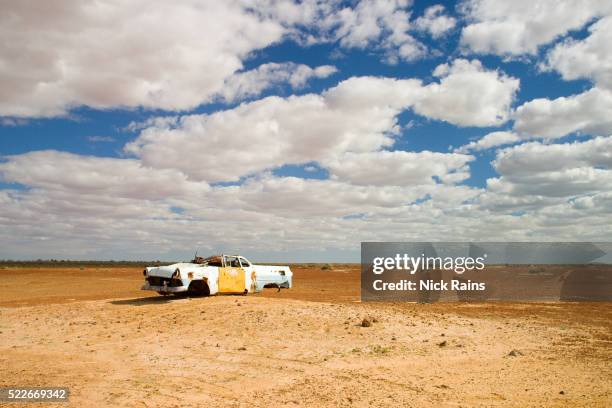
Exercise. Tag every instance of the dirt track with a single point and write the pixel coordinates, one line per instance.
(94, 331)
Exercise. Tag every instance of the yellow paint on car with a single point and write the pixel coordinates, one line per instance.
(231, 280)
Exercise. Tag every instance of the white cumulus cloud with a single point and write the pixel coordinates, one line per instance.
(435, 21)
(384, 23)
(522, 26)
(588, 112)
(269, 133)
(488, 141)
(590, 58)
(102, 176)
(469, 95)
(253, 82)
(554, 170)
(400, 168)
(358, 115)
(110, 53)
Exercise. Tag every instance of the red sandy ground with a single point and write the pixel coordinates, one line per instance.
(94, 331)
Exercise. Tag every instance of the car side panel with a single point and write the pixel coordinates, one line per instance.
(273, 276)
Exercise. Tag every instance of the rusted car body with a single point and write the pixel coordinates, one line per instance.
(219, 274)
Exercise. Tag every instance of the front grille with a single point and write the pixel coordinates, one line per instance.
(159, 281)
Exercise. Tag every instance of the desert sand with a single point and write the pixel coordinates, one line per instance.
(93, 330)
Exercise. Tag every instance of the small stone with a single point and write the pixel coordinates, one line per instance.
(442, 344)
(366, 323)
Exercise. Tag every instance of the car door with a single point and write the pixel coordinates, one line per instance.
(232, 276)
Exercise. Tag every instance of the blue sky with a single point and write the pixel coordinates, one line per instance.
(419, 80)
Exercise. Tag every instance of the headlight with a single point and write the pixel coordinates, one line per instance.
(176, 273)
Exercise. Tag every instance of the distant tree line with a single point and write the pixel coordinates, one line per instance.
(70, 263)
(46, 263)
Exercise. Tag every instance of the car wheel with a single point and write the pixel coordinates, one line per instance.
(198, 288)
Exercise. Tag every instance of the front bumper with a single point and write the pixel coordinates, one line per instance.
(164, 288)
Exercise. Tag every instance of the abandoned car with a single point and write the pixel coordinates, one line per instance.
(219, 274)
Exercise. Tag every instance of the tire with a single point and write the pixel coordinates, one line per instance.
(198, 288)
